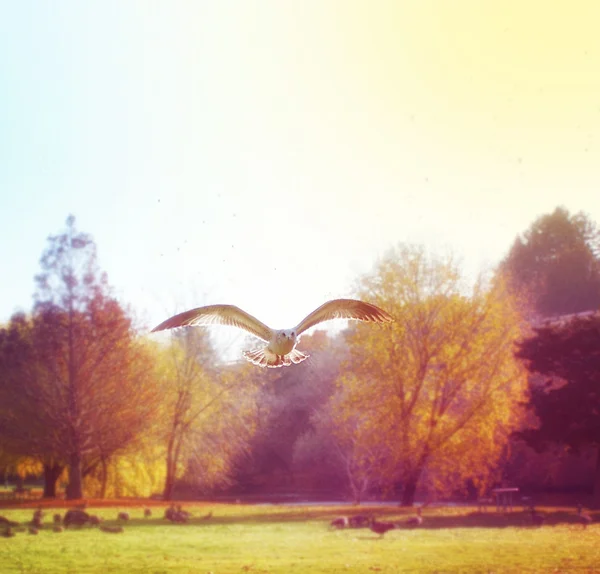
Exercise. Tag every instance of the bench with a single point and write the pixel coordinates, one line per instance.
(504, 498)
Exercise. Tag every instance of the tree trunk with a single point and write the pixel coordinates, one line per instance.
(356, 494)
(170, 478)
(75, 486)
(596, 492)
(410, 488)
(173, 456)
(104, 478)
(51, 474)
(169, 484)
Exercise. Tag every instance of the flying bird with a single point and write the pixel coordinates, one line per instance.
(280, 349)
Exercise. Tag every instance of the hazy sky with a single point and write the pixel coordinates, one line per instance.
(266, 153)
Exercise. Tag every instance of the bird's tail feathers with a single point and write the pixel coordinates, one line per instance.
(297, 356)
(264, 358)
(256, 357)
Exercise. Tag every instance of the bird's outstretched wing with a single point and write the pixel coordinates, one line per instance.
(218, 315)
(344, 309)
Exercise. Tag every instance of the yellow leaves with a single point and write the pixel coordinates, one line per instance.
(206, 415)
(439, 384)
(29, 466)
(138, 472)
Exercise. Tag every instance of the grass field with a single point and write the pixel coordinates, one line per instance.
(286, 539)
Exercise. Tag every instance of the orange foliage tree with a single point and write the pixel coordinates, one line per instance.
(82, 385)
(436, 393)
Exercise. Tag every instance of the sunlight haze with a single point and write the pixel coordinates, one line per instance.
(265, 154)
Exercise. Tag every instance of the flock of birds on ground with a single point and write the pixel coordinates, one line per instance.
(176, 514)
(582, 518)
(79, 517)
(365, 521)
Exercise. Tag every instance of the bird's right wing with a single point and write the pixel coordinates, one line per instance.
(218, 315)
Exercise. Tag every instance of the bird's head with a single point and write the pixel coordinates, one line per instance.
(286, 335)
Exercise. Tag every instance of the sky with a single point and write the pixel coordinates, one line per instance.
(267, 153)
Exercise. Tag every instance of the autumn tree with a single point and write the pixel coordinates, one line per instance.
(82, 382)
(556, 264)
(22, 427)
(438, 388)
(567, 354)
(207, 412)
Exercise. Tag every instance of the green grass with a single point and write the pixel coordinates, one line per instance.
(282, 539)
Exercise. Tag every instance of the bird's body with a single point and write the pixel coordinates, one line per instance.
(415, 521)
(358, 521)
(537, 519)
(177, 514)
(339, 522)
(280, 343)
(76, 516)
(381, 527)
(36, 521)
(583, 517)
(170, 512)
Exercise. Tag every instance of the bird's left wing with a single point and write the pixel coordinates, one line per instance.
(344, 309)
(218, 315)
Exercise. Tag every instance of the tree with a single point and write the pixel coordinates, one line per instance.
(207, 414)
(438, 388)
(568, 403)
(556, 263)
(281, 449)
(344, 451)
(80, 379)
(22, 426)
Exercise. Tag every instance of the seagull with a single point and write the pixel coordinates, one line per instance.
(280, 349)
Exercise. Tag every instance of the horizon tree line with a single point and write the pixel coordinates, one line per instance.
(432, 400)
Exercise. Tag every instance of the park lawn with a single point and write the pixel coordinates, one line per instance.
(288, 539)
